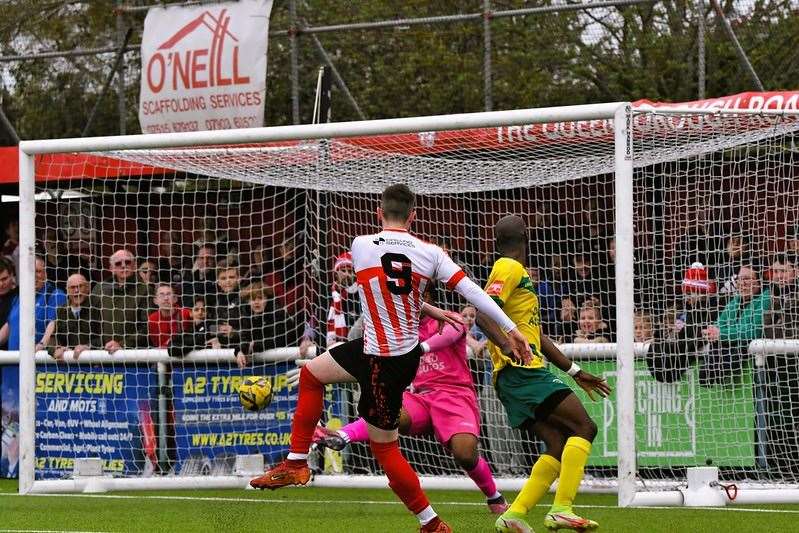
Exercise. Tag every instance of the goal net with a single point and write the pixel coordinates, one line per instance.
(182, 256)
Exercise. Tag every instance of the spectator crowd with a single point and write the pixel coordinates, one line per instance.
(162, 302)
(701, 306)
(720, 299)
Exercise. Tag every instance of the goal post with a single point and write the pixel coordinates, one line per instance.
(608, 190)
(249, 140)
(625, 354)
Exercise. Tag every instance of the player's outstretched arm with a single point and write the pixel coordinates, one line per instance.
(493, 332)
(588, 382)
(507, 335)
(447, 337)
(504, 342)
(442, 316)
(484, 304)
(454, 278)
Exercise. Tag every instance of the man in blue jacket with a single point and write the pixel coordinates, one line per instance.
(48, 299)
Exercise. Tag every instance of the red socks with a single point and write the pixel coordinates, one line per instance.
(310, 399)
(401, 477)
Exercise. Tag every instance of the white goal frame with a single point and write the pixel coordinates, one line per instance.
(625, 349)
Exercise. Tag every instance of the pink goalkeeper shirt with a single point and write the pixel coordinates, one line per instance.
(445, 364)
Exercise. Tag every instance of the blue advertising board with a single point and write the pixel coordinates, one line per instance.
(81, 411)
(111, 412)
(211, 427)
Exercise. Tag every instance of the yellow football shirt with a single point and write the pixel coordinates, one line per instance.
(510, 287)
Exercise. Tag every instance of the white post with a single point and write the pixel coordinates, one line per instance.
(163, 442)
(27, 324)
(625, 362)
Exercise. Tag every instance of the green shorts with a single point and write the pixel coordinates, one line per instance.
(524, 390)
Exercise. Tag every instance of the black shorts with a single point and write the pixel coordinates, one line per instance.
(382, 380)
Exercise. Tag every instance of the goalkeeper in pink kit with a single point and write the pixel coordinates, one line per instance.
(442, 401)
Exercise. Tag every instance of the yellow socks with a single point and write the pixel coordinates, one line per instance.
(575, 455)
(545, 471)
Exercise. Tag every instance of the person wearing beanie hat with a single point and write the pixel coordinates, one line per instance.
(679, 342)
(343, 311)
(343, 260)
(696, 280)
(699, 305)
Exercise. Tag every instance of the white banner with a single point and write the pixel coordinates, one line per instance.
(204, 67)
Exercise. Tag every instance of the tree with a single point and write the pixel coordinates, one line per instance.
(611, 54)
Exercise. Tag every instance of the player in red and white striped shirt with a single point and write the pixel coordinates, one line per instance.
(392, 268)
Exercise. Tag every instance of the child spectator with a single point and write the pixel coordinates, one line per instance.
(480, 360)
(592, 329)
(225, 308)
(475, 338)
(265, 325)
(564, 328)
(198, 312)
(168, 319)
(643, 327)
(197, 335)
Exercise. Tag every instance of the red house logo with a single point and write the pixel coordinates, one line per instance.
(200, 67)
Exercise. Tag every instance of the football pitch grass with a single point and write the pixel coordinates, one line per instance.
(308, 509)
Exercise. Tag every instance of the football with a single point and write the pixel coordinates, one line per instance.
(255, 393)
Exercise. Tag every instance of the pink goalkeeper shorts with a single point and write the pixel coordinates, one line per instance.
(444, 412)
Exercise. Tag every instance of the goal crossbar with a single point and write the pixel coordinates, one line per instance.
(325, 131)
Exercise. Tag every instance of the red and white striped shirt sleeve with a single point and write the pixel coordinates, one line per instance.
(447, 272)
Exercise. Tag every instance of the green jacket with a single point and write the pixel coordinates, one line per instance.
(123, 312)
(738, 323)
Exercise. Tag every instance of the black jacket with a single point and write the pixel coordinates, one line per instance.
(268, 330)
(71, 330)
(676, 346)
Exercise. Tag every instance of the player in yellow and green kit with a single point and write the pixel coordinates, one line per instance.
(535, 399)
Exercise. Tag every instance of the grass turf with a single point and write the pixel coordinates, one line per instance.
(342, 510)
